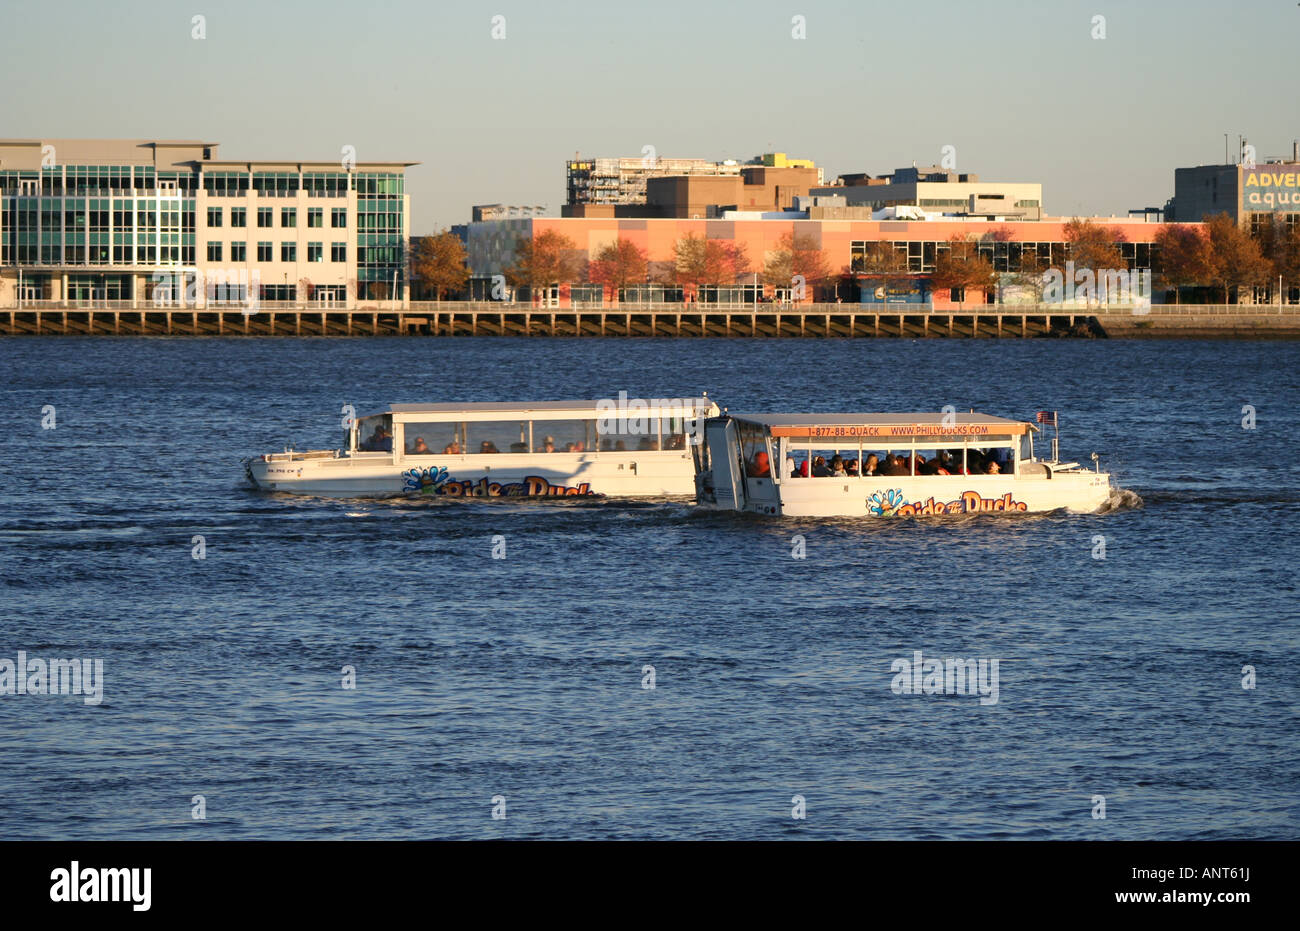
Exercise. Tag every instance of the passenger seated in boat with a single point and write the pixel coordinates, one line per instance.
(894, 466)
(420, 448)
(943, 463)
(452, 448)
(791, 467)
(379, 442)
(837, 465)
(851, 467)
(382, 441)
(992, 468)
(872, 465)
(760, 467)
(819, 469)
(926, 467)
(487, 446)
(548, 445)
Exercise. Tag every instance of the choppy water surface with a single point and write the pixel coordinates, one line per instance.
(522, 677)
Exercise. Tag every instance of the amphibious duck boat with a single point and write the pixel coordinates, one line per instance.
(882, 465)
(528, 449)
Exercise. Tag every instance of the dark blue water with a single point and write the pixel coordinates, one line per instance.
(522, 677)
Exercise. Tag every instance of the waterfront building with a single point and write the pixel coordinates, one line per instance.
(1251, 193)
(167, 221)
(845, 244)
(623, 180)
(939, 190)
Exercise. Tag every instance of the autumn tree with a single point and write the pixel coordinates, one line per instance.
(1236, 261)
(1286, 260)
(699, 261)
(797, 259)
(618, 265)
(961, 267)
(549, 258)
(438, 263)
(1182, 257)
(1094, 246)
(1280, 245)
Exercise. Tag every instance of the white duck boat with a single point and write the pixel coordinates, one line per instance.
(803, 465)
(549, 448)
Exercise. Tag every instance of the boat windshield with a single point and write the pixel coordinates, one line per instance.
(375, 433)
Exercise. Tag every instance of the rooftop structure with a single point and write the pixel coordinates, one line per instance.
(939, 190)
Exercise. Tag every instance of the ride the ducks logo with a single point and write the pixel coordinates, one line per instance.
(435, 481)
(891, 504)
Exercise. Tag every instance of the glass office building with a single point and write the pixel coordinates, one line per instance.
(139, 222)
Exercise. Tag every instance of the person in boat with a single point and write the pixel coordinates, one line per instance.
(377, 441)
(819, 469)
(837, 465)
(548, 445)
(791, 467)
(420, 448)
(487, 446)
(894, 466)
(452, 448)
(872, 465)
(927, 466)
(851, 467)
(992, 468)
(760, 467)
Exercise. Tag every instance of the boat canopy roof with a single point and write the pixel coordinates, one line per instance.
(546, 410)
(886, 425)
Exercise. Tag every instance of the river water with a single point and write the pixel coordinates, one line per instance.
(521, 679)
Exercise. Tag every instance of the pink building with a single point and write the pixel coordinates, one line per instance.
(843, 243)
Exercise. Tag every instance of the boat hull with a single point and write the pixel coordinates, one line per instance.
(926, 495)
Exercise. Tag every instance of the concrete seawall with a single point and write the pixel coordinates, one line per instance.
(663, 320)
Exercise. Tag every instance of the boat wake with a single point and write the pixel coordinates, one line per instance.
(1121, 499)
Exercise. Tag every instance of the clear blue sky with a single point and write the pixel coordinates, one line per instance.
(1019, 87)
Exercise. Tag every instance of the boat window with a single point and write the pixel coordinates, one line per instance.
(677, 431)
(822, 461)
(498, 436)
(564, 436)
(753, 448)
(375, 433)
(628, 434)
(446, 438)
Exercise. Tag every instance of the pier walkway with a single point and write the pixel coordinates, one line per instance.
(486, 318)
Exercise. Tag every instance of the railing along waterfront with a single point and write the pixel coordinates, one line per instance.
(490, 318)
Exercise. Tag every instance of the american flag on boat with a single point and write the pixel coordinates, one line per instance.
(1047, 417)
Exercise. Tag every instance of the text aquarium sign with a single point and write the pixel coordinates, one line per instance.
(1273, 187)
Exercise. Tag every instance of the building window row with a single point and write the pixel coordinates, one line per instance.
(288, 251)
